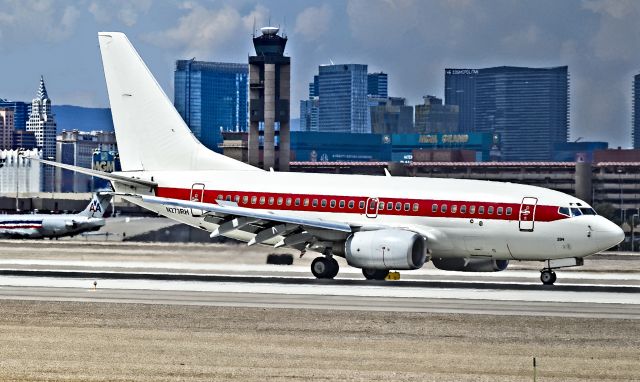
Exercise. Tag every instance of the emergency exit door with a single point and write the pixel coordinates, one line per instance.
(197, 195)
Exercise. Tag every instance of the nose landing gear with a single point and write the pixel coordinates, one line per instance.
(547, 276)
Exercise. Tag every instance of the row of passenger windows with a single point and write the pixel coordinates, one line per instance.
(291, 201)
(389, 206)
(472, 209)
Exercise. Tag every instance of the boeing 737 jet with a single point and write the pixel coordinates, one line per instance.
(39, 226)
(377, 223)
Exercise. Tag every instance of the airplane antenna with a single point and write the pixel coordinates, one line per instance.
(331, 61)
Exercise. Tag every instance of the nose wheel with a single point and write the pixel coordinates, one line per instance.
(547, 276)
(325, 267)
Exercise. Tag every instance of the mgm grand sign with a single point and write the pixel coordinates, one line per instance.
(439, 139)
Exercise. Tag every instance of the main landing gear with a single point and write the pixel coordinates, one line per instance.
(325, 267)
(547, 276)
(375, 274)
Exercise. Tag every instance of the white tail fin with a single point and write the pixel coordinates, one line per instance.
(97, 206)
(151, 134)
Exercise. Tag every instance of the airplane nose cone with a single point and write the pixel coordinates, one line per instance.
(608, 233)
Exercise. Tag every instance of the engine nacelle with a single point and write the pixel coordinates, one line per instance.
(386, 249)
(463, 264)
(54, 225)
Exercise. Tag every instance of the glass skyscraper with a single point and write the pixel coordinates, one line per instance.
(460, 90)
(527, 107)
(212, 97)
(635, 118)
(342, 90)
(378, 85)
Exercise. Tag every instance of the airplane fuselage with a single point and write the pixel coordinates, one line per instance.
(460, 218)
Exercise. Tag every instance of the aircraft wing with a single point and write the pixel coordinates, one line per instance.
(266, 225)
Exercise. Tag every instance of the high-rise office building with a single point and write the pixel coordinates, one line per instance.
(6, 128)
(434, 117)
(460, 90)
(392, 116)
(309, 112)
(77, 148)
(378, 84)
(20, 112)
(211, 97)
(269, 101)
(527, 107)
(343, 98)
(635, 118)
(43, 126)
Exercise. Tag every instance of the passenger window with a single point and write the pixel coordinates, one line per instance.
(463, 209)
(315, 202)
(271, 200)
(390, 206)
(323, 203)
(509, 210)
(228, 198)
(297, 201)
(416, 207)
(351, 204)
(280, 201)
(361, 205)
(490, 210)
(288, 201)
(237, 198)
(407, 206)
(220, 197)
(254, 199)
(306, 202)
(499, 210)
(454, 209)
(472, 209)
(443, 209)
(381, 206)
(398, 206)
(245, 199)
(262, 199)
(434, 208)
(332, 204)
(481, 210)
(342, 204)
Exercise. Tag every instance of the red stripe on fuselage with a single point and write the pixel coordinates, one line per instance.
(425, 206)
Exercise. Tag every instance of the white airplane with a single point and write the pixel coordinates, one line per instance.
(39, 226)
(376, 223)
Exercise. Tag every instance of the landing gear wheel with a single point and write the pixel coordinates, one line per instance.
(548, 277)
(324, 267)
(375, 274)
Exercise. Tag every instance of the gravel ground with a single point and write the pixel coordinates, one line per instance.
(69, 341)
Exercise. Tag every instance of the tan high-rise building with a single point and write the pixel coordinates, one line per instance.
(7, 126)
(269, 102)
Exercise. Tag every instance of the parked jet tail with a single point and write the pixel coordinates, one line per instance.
(98, 205)
(151, 134)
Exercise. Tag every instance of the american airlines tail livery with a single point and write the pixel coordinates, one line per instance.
(377, 223)
(39, 226)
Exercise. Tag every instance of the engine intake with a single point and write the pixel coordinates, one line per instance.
(463, 264)
(386, 249)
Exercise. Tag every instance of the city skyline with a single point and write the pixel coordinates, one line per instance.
(411, 41)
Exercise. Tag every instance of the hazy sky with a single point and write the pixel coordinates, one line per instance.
(413, 41)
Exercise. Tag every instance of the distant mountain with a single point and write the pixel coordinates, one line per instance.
(70, 117)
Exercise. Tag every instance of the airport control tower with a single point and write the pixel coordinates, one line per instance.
(269, 100)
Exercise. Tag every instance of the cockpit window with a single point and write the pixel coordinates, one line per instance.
(575, 211)
(564, 211)
(588, 211)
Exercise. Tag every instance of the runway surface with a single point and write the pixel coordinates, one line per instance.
(216, 275)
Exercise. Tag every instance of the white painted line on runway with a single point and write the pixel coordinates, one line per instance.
(230, 267)
(337, 290)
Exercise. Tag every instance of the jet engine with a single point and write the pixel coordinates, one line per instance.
(463, 264)
(54, 225)
(386, 249)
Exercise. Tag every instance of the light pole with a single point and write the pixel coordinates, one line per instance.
(621, 200)
(18, 155)
(53, 173)
(633, 219)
